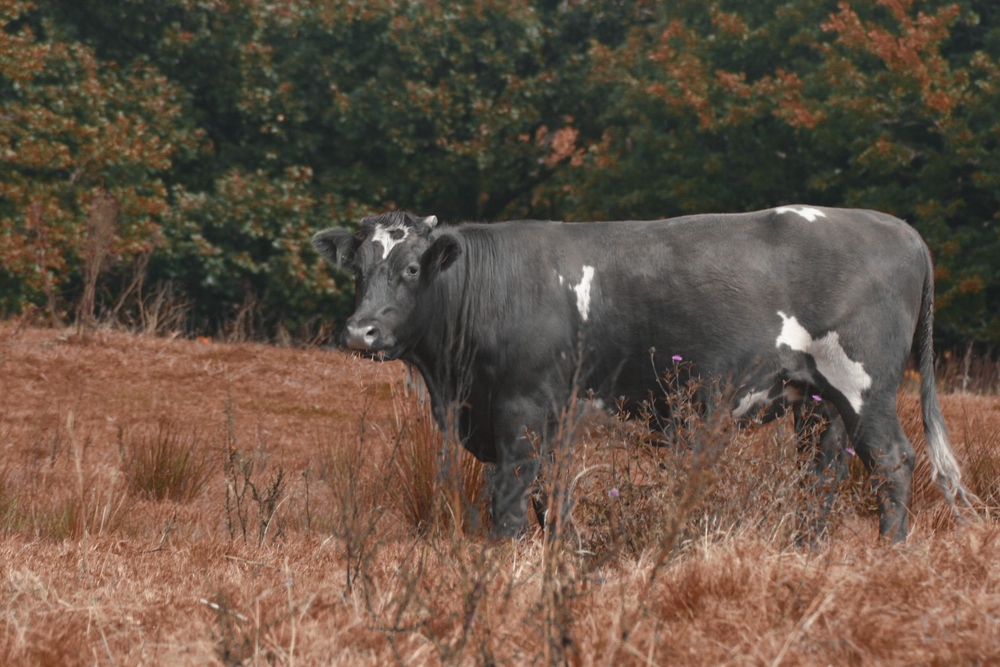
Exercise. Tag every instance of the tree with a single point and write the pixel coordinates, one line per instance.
(71, 130)
(772, 103)
(231, 131)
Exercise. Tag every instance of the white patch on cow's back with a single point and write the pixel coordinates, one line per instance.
(843, 373)
(583, 292)
(806, 212)
(383, 235)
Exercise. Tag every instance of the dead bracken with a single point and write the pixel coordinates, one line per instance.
(659, 560)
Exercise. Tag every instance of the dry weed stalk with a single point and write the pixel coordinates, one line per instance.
(242, 478)
(163, 311)
(356, 476)
(38, 232)
(247, 323)
(158, 313)
(597, 509)
(976, 371)
(102, 226)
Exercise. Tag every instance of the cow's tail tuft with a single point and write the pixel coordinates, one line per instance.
(944, 466)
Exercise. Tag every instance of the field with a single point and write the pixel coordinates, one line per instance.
(175, 502)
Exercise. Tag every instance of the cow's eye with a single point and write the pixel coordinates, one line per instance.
(412, 270)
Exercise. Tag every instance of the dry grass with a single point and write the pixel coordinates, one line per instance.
(368, 548)
(165, 463)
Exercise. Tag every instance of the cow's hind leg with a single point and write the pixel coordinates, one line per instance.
(879, 440)
(820, 433)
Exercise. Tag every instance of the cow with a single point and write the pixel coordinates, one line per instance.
(787, 305)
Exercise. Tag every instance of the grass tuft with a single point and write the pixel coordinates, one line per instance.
(981, 464)
(165, 464)
(438, 483)
(8, 500)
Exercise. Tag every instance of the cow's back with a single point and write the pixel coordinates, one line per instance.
(706, 288)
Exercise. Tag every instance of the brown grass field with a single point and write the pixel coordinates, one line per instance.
(175, 502)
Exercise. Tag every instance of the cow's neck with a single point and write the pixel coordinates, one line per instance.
(444, 350)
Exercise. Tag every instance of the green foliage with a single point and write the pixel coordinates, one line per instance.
(230, 132)
(250, 239)
(866, 104)
(71, 126)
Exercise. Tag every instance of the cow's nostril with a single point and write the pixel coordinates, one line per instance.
(361, 337)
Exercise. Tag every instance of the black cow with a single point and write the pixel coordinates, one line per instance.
(783, 304)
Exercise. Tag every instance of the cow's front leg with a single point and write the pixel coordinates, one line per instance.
(517, 465)
(820, 433)
(515, 473)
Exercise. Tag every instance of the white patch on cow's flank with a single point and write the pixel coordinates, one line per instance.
(843, 373)
(383, 235)
(583, 292)
(806, 212)
(561, 279)
(749, 401)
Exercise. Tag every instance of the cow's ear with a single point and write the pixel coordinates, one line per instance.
(442, 254)
(337, 245)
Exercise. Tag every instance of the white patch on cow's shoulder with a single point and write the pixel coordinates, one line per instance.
(806, 212)
(843, 373)
(384, 235)
(583, 292)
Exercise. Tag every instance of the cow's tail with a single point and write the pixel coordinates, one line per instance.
(944, 466)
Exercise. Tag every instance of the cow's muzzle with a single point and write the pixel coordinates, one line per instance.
(362, 336)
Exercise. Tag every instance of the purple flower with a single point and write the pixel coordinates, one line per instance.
(613, 493)
(849, 450)
(817, 398)
(677, 357)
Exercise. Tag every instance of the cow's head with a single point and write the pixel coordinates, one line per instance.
(394, 257)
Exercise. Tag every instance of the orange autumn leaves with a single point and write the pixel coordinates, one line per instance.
(719, 97)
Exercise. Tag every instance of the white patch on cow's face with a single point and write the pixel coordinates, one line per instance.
(583, 292)
(384, 235)
(843, 373)
(749, 401)
(806, 212)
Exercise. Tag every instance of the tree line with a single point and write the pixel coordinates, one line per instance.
(200, 143)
